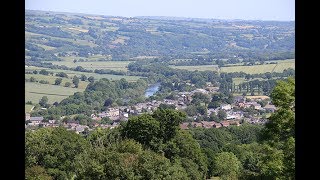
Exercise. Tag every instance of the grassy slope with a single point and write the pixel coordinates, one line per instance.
(95, 75)
(35, 91)
(199, 68)
(113, 65)
(256, 69)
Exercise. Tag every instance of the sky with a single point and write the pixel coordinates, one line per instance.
(278, 10)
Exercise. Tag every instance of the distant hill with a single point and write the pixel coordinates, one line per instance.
(52, 35)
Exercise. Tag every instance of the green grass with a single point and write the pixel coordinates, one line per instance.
(256, 69)
(95, 75)
(51, 80)
(113, 65)
(28, 108)
(35, 91)
(199, 68)
(47, 48)
(28, 35)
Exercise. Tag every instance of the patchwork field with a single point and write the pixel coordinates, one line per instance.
(199, 68)
(95, 75)
(29, 35)
(51, 80)
(35, 91)
(256, 69)
(112, 65)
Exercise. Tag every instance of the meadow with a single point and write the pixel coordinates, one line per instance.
(28, 108)
(78, 73)
(35, 91)
(256, 69)
(51, 80)
(92, 65)
(199, 68)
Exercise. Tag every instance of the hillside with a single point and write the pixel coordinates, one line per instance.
(53, 36)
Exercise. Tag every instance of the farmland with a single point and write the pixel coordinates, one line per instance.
(51, 79)
(199, 68)
(28, 108)
(35, 91)
(256, 69)
(95, 75)
(112, 65)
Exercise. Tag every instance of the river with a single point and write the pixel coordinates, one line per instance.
(152, 89)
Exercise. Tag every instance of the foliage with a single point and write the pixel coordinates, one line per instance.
(58, 81)
(226, 165)
(43, 101)
(53, 149)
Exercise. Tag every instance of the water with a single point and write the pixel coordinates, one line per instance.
(152, 89)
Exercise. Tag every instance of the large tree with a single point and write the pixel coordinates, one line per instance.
(226, 165)
(75, 81)
(279, 132)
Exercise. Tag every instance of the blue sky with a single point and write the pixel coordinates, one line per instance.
(279, 10)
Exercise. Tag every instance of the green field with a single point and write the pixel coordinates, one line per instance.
(95, 75)
(112, 65)
(256, 69)
(35, 91)
(199, 68)
(28, 35)
(28, 108)
(51, 80)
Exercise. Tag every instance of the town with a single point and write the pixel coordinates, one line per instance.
(235, 114)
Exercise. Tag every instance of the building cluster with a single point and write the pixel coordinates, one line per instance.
(234, 112)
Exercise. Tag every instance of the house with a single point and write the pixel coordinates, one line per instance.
(254, 104)
(239, 99)
(225, 106)
(207, 124)
(200, 91)
(196, 124)
(80, 128)
(240, 104)
(35, 120)
(216, 125)
(270, 107)
(225, 123)
(184, 125)
(231, 117)
(102, 114)
(113, 112)
(52, 121)
(27, 116)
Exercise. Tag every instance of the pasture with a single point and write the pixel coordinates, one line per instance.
(28, 108)
(112, 65)
(256, 69)
(199, 68)
(51, 80)
(95, 75)
(35, 91)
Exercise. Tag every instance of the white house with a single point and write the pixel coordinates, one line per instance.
(225, 106)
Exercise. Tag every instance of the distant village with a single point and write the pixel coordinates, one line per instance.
(122, 113)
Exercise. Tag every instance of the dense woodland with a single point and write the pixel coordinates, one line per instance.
(152, 146)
